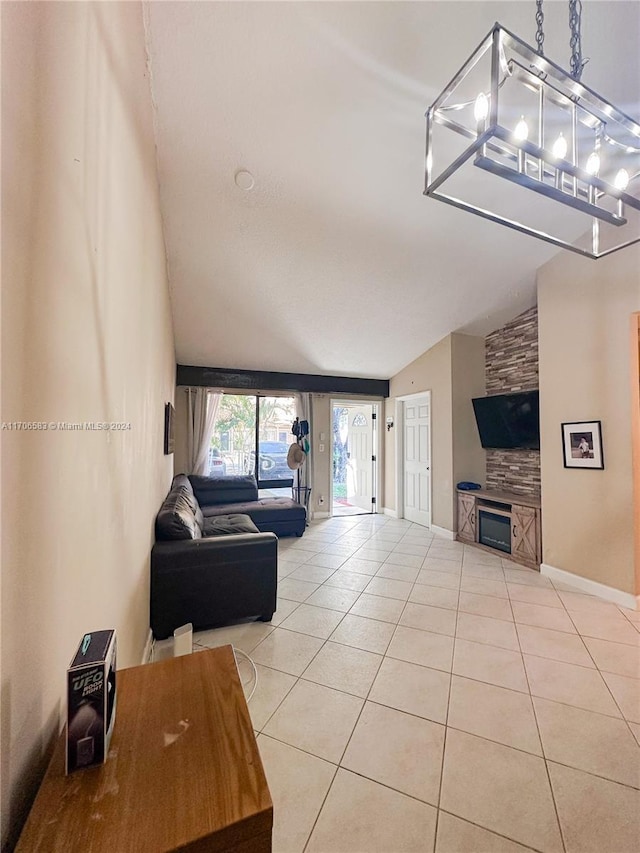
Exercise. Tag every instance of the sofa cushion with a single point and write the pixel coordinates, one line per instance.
(177, 518)
(181, 483)
(212, 491)
(193, 503)
(221, 525)
(263, 510)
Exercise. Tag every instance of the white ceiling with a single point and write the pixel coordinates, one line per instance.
(335, 262)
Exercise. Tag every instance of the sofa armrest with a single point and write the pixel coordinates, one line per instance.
(189, 553)
(212, 581)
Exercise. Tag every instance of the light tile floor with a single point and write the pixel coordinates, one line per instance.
(415, 694)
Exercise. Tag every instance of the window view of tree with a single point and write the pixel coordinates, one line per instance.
(234, 434)
(276, 416)
(233, 443)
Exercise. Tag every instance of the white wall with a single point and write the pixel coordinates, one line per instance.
(584, 310)
(86, 336)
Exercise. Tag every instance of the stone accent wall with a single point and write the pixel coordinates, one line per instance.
(511, 355)
(511, 364)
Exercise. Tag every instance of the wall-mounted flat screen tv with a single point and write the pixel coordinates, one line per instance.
(509, 421)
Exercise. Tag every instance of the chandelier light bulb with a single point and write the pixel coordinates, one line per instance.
(621, 181)
(560, 148)
(481, 107)
(522, 130)
(593, 163)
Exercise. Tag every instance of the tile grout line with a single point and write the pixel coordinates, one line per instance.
(384, 656)
(436, 722)
(604, 680)
(339, 763)
(446, 718)
(475, 642)
(493, 831)
(544, 757)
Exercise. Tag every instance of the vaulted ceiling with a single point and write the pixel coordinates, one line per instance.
(326, 257)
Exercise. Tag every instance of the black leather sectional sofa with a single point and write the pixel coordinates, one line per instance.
(224, 495)
(216, 563)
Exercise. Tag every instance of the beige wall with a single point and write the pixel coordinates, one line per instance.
(468, 381)
(180, 465)
(86, 336)
(584, 313)
(322, 463)
(634, 349)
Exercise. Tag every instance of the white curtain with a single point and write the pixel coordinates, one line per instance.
(202, 411)
(303, 412)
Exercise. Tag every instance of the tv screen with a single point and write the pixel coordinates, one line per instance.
(509, 421)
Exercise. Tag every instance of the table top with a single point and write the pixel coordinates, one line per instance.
(503, 497)
(183, 769)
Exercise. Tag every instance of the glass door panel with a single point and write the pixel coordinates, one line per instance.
(234, 436)
(275, 419)
(252, 435)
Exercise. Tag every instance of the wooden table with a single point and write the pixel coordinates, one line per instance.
(183, 771)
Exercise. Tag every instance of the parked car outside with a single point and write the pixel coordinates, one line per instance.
(217, 465)
(272, 459)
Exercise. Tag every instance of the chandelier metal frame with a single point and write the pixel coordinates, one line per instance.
(559, 173)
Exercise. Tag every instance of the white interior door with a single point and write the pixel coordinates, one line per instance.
(360, 449)
(417, 460)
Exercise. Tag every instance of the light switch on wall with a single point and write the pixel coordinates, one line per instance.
(321, 448)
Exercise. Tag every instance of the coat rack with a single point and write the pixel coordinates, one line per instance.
(301, 494)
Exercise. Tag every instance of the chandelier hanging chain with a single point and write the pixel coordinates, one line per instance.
(575, 43)
(539, 31)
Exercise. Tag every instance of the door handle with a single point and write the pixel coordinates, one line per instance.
(514, 531)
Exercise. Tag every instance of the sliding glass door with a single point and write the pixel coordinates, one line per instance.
(252, 435)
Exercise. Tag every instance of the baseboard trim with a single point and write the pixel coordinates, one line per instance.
(443, 532)
(392, 512)
(609, 593)
(148, 646)
(317, 515)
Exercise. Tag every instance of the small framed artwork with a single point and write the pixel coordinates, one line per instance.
(169, 419)
(582, 444)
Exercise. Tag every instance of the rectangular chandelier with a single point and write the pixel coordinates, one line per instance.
(569, 160)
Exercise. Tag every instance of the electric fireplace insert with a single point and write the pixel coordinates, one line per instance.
(495, 530)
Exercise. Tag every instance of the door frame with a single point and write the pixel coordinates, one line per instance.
(399, 448)
(376, 444)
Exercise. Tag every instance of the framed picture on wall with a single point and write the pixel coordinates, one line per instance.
(582, 444)
(169, 419)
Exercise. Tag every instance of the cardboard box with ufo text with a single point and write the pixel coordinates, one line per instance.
(91, 700)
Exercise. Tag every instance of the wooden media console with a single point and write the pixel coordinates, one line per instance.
(502, 523)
